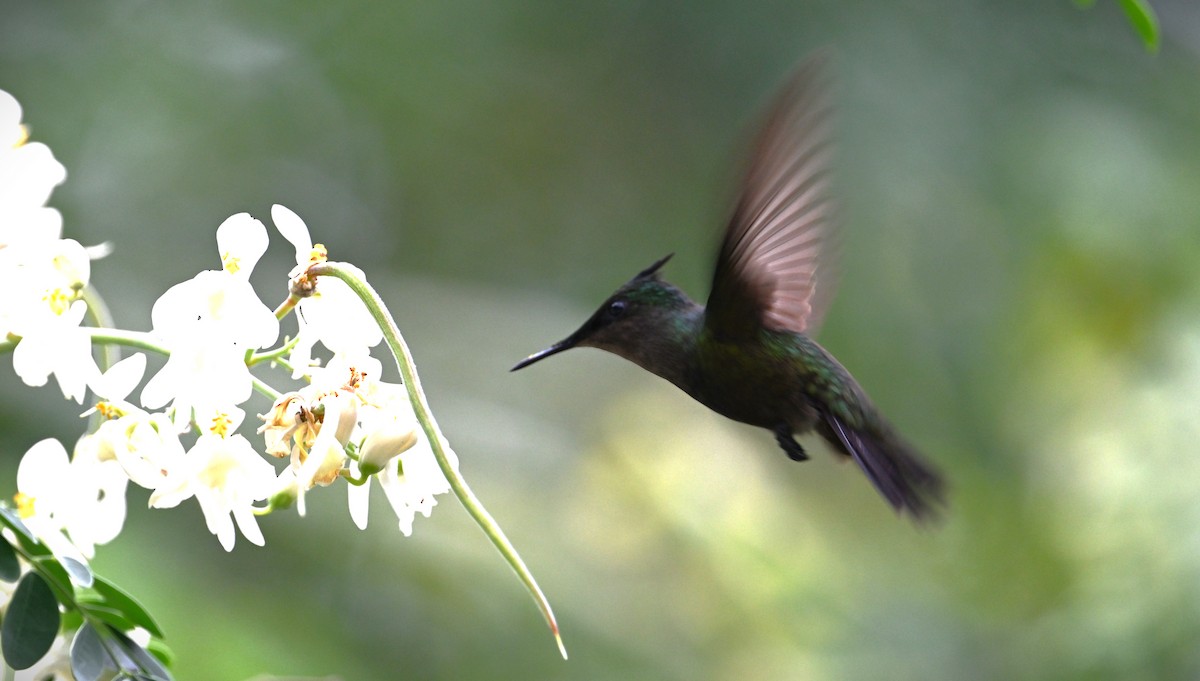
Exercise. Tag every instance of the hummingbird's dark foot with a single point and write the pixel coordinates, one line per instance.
(783, 435)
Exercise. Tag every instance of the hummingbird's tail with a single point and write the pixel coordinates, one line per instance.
(908, 482)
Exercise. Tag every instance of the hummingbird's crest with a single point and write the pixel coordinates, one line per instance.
(775, 264)
(652, 271)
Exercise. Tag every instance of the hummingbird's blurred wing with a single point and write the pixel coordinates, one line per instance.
(775, 265)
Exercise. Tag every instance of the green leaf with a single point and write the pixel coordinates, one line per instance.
(29, 543)
(10, 518)
(59, 578)
(114, 618)
(162, 651)
(127, 605)
(89, 661)
(97, 652)
(72, 619)
(30, 623)
(1145, 22)
(10, 567)
(142, 660)
(80, 573)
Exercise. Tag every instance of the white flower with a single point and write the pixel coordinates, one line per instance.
(41, 280)
(287, 417)
(60, 348)
(410, 480)
(410, 486)
(41, 275)
(146, 445)
(28, 174)
(208, 323)
(42, 284)
(313, 426)
(83, 498)
(332, 314)
(226, 476)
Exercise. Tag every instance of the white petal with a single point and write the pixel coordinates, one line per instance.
(72, 262)
(161, 387)
(100, 251)
(241, 241)
(248, 524)
(99, 513)
(294, 230)
(29, 175)
(43, 467)
(359, 498)
(301, 357)
(121, 378)
(10, 121)
(32, 364)
(171, 492)
(387, 440)
(216, 516)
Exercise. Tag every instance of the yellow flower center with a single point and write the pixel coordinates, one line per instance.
(24, 505)
(231, 263)
(59, 300)
(319, 254)
(221, 424)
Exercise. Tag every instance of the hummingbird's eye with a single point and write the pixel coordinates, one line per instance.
(616, 308)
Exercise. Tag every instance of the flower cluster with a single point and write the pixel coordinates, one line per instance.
(179, 437)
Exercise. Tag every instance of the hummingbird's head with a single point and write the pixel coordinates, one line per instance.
(631, 322)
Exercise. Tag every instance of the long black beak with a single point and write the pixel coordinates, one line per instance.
(564, 344)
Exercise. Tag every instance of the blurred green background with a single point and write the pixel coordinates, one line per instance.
(1019, 294)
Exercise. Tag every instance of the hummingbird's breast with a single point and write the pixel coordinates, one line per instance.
(776, 377)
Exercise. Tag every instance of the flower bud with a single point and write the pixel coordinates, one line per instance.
(389, 440)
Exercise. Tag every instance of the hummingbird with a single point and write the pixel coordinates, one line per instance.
(748, 353)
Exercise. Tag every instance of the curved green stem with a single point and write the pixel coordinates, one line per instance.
(286, 306)
(412, 384)
(264, 389)
(276, 355)
(141, 340)
(98, 310)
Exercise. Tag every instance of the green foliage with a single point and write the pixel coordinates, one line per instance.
(62, 595)
(79, 573)
(98, 651)
(1141, 16)
(25, 538)
(1144, 21)
(30, 623)
(10, 568)
(113, 598)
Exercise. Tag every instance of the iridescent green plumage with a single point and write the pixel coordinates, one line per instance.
(748, 354)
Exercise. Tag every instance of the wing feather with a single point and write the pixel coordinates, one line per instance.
(774, 266)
